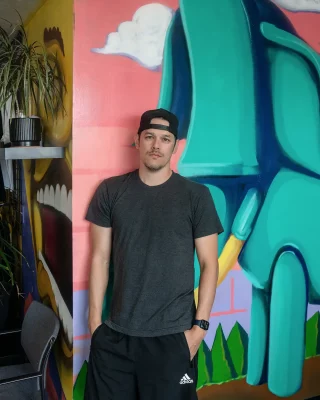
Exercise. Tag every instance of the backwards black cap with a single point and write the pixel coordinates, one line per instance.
(147, 117)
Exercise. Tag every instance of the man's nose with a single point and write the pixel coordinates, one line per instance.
(156, 144)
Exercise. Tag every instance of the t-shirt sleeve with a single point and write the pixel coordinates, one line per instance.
(99, 207)
(206, 220)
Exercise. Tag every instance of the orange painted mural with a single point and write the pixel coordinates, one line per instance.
(236, 76)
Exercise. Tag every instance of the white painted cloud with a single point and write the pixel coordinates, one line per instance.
(141, 39)
(299, 5)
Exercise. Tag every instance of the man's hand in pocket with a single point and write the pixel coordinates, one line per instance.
(93, 325)
(194, 338)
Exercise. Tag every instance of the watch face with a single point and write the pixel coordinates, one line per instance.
(205, 325)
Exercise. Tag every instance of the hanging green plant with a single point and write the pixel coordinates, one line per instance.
(10, 265)
(10, 259)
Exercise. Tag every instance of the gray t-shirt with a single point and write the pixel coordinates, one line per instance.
(153, 233)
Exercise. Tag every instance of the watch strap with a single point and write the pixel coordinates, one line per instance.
(203, 324)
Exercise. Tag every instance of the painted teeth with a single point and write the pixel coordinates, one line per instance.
(63, 311)
(57, 198)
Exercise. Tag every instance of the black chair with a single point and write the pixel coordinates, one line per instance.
(27, 380)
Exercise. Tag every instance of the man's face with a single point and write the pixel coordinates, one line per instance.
(156, 146)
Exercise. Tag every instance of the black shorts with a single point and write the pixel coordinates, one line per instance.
(123, 367)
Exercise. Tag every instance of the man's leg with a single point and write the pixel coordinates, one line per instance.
(111, 369)
(164, 369)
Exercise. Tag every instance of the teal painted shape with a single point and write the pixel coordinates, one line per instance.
(225, 200)
(288, 217)
(287, 326)
(244, 220)
(221, 202)
(257, 349)
(166, 88)
(295, 95)
(222, 132)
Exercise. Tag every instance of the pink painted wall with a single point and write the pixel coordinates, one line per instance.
(110, 93)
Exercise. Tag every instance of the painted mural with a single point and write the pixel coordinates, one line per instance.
(48, 212)
(244, 79)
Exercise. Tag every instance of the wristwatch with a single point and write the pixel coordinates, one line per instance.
(202, 323)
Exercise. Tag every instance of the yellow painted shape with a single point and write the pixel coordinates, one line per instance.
(51, 15)
(41, 168)
(227, 260)
(229, 257)
(40, 4)
(37, 222)
(56, 16)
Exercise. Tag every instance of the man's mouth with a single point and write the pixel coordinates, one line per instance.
(54, 201)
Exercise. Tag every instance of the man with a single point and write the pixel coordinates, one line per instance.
(150, 222)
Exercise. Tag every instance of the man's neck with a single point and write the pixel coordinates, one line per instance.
(154, 178)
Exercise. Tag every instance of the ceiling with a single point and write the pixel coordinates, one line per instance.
(24, 7)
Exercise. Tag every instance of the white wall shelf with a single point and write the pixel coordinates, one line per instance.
(31, 153)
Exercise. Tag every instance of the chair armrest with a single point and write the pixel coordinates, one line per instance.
(20, 378)
(10, 332)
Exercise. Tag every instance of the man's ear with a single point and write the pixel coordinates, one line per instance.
(137, 141)
(175, 149)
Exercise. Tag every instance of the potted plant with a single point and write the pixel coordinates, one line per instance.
(31, 79)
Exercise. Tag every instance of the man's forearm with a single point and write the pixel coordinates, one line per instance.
(207, 290)
(99, 276)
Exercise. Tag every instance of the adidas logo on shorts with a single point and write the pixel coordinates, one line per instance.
(186, 379)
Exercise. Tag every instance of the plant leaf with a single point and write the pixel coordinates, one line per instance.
(29, 74)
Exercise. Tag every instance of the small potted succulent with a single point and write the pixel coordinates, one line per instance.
(30, 78)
